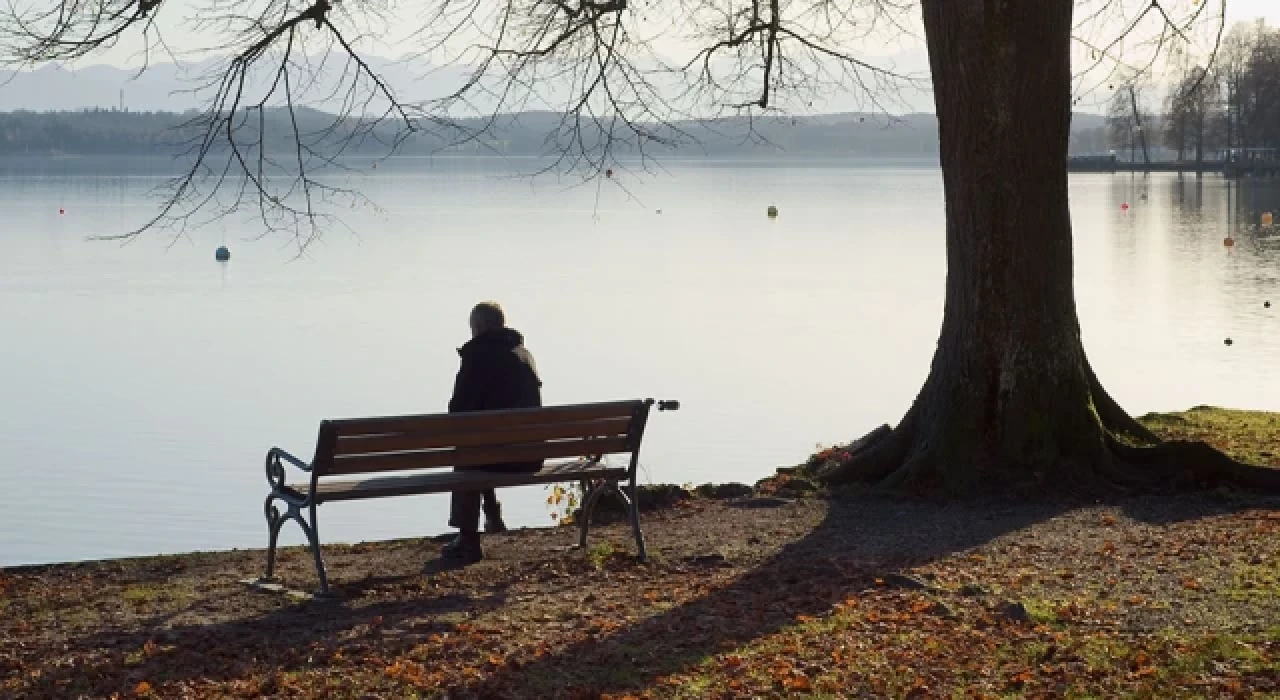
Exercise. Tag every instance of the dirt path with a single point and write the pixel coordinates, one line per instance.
(857, 597)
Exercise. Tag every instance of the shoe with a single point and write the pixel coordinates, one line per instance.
(493, 520)
(464, 549)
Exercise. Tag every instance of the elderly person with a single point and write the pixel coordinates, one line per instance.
(497, 372)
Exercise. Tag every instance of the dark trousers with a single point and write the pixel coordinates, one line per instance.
(464, 506)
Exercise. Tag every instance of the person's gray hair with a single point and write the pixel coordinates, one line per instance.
(488, 316)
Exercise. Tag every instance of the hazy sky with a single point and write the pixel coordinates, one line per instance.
(179, 34)
(1248, 9)
(904, 53)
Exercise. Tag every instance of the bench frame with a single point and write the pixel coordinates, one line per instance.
(300, 506)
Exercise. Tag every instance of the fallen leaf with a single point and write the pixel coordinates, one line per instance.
(798, 682)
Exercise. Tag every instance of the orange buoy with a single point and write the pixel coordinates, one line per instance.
(1228, 241)
(1266, 219)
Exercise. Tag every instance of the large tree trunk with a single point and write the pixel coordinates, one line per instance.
(1011, 403)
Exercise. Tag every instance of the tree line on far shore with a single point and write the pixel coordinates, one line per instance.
(1230, 106)
(113, 132)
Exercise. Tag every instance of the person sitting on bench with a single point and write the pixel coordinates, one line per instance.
(497, 372)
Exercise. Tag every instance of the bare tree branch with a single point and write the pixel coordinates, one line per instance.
(295, 95)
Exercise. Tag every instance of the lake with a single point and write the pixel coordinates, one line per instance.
(143, 383)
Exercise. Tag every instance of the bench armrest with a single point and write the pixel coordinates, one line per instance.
(281, 454)
(275, 469)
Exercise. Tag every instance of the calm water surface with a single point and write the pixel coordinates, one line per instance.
(142, 384)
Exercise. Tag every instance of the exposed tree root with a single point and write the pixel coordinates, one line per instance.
(1185, 463)
(891, 458)
(873, 456)
(1114, 418)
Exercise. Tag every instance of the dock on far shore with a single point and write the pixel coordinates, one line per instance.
(1110, 163)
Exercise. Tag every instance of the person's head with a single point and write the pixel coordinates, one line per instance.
(487, 316)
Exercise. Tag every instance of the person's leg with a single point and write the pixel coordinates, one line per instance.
(464, 511)
(493, 512)
(464, 514)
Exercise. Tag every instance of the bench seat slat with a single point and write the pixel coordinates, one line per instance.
(482, 420)
(366, 444)
(442, 482)
(473, 456)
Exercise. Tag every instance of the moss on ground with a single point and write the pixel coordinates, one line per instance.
(1248, 436)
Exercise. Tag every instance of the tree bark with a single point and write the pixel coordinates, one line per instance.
(1008, 396)
(1011, 403)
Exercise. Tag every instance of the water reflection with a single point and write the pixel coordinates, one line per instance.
(146, 378)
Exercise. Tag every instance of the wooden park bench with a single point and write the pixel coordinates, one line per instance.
(362, 458)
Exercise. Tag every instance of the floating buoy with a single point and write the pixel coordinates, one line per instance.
(1124, 207)
(608, 173)
(1266, 304)
(222, 254)
(1228, 241)
(375, 165)
(773, 212)
(1227, 341)
(1143, 196)
(659, 211)
(1266, 219)
(61, 210)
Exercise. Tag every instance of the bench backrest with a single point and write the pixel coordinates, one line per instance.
(400, 443)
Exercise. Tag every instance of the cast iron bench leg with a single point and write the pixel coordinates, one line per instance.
(631, 500)
(313, 534)
(275, 519)
(590, 495)
(634, 503)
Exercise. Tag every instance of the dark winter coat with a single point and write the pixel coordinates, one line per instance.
(497, 372)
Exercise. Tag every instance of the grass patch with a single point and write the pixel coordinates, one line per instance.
(600, 554)
(142, 594)
(1250, 580)
(1043, 612)
(1249, 436)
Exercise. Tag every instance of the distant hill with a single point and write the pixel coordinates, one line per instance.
(107, 110)
(170, 87)
(120, 133)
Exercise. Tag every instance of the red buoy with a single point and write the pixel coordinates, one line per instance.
(1124, 207)
(61, 210)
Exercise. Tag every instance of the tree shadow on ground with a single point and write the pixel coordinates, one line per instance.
(858, 541)
(292, 637)
(858, 544)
